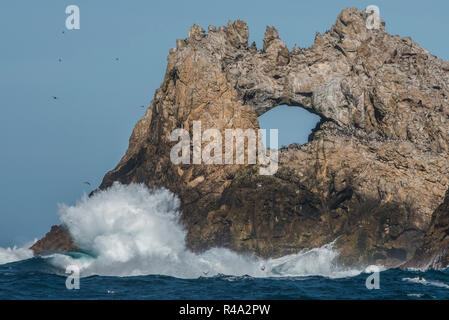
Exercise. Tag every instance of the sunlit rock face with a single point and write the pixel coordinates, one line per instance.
(371, 175)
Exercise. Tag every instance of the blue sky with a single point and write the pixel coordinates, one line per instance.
(50, 147)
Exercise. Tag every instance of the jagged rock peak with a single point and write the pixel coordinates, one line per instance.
(196, 33)
(253, 46)
(353, 24)
(275, 48)
(238, 34)
(296, 49)
(271, 34)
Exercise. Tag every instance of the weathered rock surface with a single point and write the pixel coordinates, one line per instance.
(371, 175)
(433, 253)
(56, 240)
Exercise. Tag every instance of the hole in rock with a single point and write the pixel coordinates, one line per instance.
(294, 124)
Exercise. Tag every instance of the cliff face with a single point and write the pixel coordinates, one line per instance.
(433, 253)
(371, 175)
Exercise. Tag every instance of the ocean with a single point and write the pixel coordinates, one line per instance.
(134, 248)
(37, 279)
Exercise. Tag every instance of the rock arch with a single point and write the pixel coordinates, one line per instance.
(372, 174)
(294, 124)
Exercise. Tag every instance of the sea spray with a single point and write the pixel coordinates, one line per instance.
(130, 230)
(8, 255)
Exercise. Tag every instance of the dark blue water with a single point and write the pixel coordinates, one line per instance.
(36, 279)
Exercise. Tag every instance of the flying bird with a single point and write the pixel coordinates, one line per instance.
(87, 182)
(55, 98)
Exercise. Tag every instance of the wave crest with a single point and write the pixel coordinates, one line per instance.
(8, 255)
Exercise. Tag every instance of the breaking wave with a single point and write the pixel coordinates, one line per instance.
(8, 255)
(130, 230)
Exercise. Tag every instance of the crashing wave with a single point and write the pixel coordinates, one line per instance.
(8, 255)
(130, 230)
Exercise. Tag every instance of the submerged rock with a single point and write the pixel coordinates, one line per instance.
(371, 175)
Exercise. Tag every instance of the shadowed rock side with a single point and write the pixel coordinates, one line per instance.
(371, 175)
(433, 253)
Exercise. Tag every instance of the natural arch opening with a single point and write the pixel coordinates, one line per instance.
(294, 124)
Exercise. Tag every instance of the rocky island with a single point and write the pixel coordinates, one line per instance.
(373, 175)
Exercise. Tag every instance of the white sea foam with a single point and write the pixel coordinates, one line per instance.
(130, 230)
(8, 255)
(415, 295)
(425, 282)
(374, 268)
